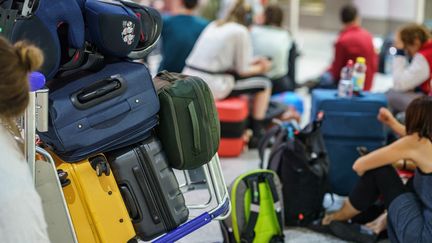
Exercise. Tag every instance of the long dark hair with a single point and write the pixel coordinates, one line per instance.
(419, 117)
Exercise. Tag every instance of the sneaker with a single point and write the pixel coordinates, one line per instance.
(353, 232)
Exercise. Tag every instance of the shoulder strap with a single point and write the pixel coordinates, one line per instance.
(248, 233)
(276, 201)
(264, 142)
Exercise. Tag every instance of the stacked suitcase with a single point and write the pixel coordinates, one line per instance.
(348, 123)
(233, 116)
(149, 188)
(103, 110)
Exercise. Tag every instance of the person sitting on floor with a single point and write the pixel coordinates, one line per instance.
(271, 40)
(353, 41)
(411, 80)
(223, 57)
(409, 206)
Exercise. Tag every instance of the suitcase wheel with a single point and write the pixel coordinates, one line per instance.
(64, 181)
(100, 165)
(133, 241)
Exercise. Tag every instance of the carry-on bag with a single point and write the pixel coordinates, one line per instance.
(257, 214)
(189, 126)
(102, 111)
(300, 160)
(349, 123)
(151, 28)
(95, 204)
(39, 22)
(233, 114)
(149, 188)
(112, 27)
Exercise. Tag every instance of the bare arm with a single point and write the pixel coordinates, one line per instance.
(384, 156)
(387, 118)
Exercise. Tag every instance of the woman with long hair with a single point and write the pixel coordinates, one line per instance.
(409, 206)
(223, 57)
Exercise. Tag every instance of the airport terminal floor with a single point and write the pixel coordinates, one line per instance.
(209, 121)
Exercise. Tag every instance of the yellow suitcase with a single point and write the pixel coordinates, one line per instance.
(98, 212)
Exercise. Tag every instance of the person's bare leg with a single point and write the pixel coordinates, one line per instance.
(379, 224)
(346, 212)
(261, 103)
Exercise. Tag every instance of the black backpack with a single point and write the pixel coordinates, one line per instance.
(300, 160)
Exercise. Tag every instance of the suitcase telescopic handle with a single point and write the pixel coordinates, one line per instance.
(98, 92)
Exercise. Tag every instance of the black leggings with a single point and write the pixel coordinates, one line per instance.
(383, 181)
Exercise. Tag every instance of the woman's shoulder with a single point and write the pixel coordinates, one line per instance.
(14, 170)
(236, 27)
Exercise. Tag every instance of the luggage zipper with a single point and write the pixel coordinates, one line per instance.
(151, 180)
(213, 114)
(201, 97)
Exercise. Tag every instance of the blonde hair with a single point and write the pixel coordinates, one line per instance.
(16, 62)
(237, 13)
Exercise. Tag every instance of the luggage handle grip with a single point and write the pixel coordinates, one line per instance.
(131, 205)
(195, 127)
(99, 92)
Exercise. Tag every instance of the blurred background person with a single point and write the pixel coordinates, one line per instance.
(411, 79)
(271, 40)
(353, 41)
(179, 34)
(223, 57)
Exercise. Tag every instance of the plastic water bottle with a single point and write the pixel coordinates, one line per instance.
(359, 75)
(388, 62)
(345, 86)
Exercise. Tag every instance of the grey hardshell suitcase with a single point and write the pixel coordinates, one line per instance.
(149, 188)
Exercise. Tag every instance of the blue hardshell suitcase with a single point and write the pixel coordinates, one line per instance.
(348, 123)
(102, 111)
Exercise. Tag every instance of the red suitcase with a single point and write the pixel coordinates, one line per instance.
(233, 116)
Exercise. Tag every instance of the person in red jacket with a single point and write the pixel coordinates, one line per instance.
(411, 79)
(353, 41)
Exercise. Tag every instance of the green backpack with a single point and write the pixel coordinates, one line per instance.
(257, 214)
(189, 126)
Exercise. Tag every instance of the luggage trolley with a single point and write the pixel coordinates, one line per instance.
(42, 166)
(45, 177)
(218, 193)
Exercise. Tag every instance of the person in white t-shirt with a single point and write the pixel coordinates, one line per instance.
(22, 218)
(271, 40)
(223, 57)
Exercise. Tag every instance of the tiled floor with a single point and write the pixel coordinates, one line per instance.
(316, 53)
